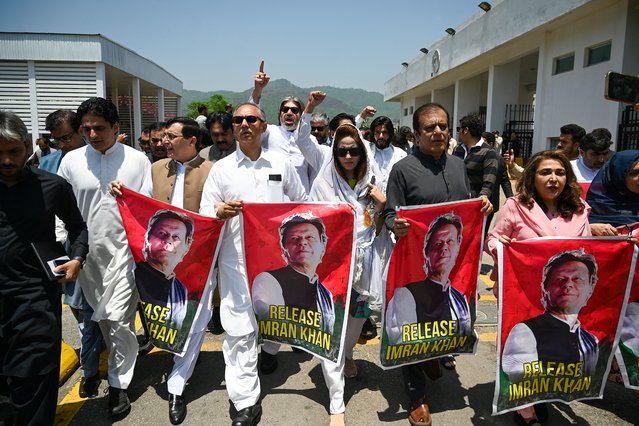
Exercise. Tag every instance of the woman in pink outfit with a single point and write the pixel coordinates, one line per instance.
(547, 203)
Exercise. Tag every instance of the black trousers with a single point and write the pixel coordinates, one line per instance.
(31, 400)
(415, 378)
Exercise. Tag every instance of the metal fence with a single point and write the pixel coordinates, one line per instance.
(628, 129)
(519, 120)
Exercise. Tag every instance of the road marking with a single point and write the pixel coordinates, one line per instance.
(69, 406)
(487, 297)
(488, 337)
(486, 280)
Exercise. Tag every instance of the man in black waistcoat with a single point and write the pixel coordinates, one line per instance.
(433, 299)
(303, 242)
(569, 279)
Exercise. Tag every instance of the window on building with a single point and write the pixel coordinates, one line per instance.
(597, 54)
(405, 112)
(564, 64)
(410, 110)
(553, 142)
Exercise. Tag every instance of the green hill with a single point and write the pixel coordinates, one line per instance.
(337, 100)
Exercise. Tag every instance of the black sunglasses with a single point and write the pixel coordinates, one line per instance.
(317, 128)
(294, 110)
(250, 119)
(354, 152)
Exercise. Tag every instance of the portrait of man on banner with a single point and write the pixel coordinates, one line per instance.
(173, 251)
(628, 353)
(559, 321)
(303, 242)
(299, 266)
(167, 240)
(431, 290)
(556, 336)
(432, 299)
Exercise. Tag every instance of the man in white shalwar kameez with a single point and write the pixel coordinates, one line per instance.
(107, 277)
(237, 178)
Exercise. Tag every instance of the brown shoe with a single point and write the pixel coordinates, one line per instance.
(432, 368)
(419, 414)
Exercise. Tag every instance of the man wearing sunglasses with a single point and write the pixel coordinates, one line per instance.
(65, 133)
(283, 138)
(243, 177)
(319, 128)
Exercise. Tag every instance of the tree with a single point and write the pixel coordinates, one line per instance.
(215, 103)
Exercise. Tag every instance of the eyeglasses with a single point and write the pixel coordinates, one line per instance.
(170, 136)
(294, 110)
(431, 127)
(317, 128)
(64, 138)
(354, 152)
(250, 119)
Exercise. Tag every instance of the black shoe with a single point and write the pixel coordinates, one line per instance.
(249, 416)
(89, 386)
(215, 324)
(145, 344)
(268, 363)
(177, 409)
(541, 411)
(118, 401)
(369, 330)
(520, 421)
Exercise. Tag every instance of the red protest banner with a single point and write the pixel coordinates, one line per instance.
(431, 291)
(299, 267)
(561, 302)
(628, 352)
(174, 251)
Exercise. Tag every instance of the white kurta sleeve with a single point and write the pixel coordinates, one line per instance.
(293, 187)
(520, 348)
(401, 310)
(266, 291)
(211, 195)
(314, 154)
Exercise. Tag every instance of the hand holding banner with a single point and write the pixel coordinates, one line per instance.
(431, 293)
(174, 251)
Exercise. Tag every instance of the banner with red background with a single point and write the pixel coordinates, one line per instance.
(189, 278)
(411, 335)
(545, 354)
(306, 310)
(628, 351)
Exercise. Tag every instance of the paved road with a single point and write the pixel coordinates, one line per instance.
(296, 393)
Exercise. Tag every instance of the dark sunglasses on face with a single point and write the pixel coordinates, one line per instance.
(250, 119)
(317, 128)
(354, 152)
(294, 110)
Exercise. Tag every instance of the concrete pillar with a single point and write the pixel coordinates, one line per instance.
(115, 94)
(446, 98)
(178, 105)
(137, 111)
(503, 89)
(467, 97)
(161, 104)
(100, 80)
(33, 103)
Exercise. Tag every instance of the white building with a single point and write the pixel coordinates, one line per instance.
(40, 73)
(545, 56)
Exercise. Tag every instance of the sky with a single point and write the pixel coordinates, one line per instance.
(218, 45)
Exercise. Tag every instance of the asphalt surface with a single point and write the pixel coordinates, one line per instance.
(296, 393)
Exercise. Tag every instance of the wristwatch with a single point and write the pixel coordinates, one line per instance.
(81, 260)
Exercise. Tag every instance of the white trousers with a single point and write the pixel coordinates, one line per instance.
(183, 366)
(122, 344)
(353, 330)
(333, 373)
(242, 380)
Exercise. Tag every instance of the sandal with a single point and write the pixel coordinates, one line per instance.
(448, 362)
